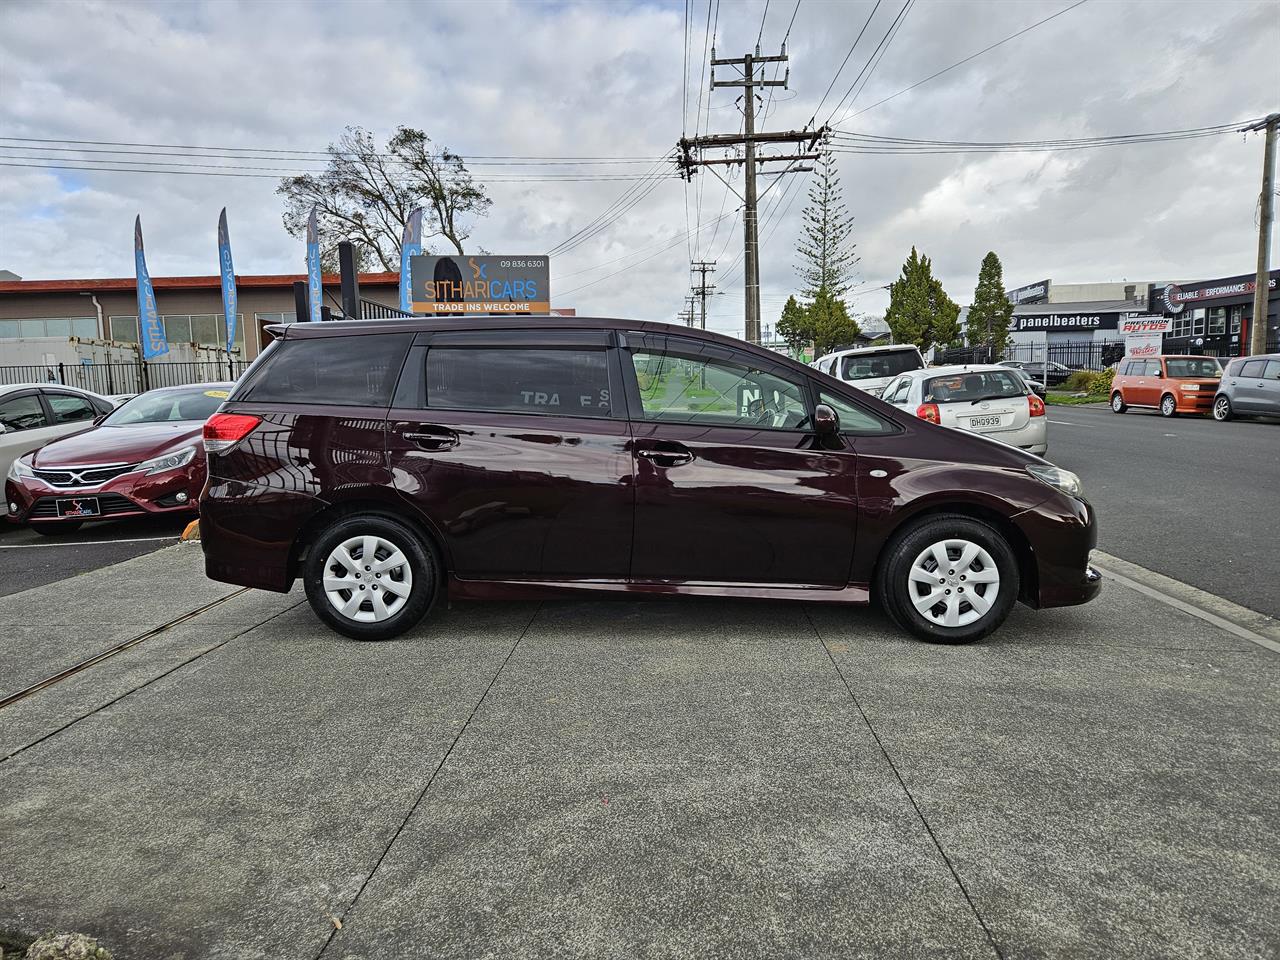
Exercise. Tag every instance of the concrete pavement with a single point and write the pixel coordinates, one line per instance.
(621, 779)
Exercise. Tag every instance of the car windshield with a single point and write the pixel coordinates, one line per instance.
(1185, 367)
(162, 406)
(865, 366)
(967, 387)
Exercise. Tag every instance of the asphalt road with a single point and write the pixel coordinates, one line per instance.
(28, 559)
(1193, 499)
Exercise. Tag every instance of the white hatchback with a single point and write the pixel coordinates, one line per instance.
(982, 398)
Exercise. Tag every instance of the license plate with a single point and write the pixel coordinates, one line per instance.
(78, 507)
(977, 423)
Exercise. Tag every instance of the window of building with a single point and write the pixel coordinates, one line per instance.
(1217, 320)
(1182, 324)
(86, 327)
(1197, 322)
(1237, 314)
(206, 329)
(553, 381)
(276, 317)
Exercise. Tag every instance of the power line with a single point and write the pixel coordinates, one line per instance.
(760, 35)
(626, 256)
(845, 61)
(620, 206)
(869, 144)
(1212, 128)
(876, 56)
(972, 56)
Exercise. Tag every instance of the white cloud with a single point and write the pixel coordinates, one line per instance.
(605, 79)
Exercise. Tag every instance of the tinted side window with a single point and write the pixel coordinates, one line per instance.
(1273, 370)
(68, 408)
(22, 413)
(567, 382)
(853, 419)
(345, 371)
(1253, 368)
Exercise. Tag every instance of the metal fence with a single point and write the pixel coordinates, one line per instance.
(131, 377)
(1076, 354)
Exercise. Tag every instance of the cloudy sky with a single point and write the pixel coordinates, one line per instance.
(494, 79)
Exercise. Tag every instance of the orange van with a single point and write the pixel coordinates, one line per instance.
(1172, 385)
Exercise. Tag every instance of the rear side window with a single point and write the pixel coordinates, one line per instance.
(68, 408)
(552, 381)
(872, 365)
(22, 413)
(356, 371)
(1253, 368)
(1273, 370)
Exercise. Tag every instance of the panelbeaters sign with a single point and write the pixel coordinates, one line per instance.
(481, 284)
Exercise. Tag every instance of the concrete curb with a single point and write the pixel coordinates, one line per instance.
(1237, 620)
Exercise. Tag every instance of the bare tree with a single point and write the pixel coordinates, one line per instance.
(366, 195)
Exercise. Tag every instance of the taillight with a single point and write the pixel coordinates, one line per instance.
(223, 431)
(930, 412)
(1036, 405)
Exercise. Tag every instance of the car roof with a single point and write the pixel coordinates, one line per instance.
(14, 387)
(954, 369)
(886, 348)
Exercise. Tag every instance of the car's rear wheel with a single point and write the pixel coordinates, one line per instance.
(1221, 409)
(949, 579)
(1117, 403)
(370, 577)
(1168, 406)
(59, 529)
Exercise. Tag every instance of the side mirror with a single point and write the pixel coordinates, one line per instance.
(825, 421)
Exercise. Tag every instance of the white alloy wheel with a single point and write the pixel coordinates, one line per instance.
(1222, 409)
(1168, 406)
(367, 579)
(1117, 402)
(953, 583)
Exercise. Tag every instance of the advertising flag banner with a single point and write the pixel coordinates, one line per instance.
(228, 279)
(410, 246)
(481, 284)
(150, 329)
(315, 291)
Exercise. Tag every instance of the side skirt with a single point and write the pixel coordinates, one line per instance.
(856, 593)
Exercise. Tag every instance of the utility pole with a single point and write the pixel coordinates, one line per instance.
(686, 315)
(748, 66)
(1261, 290)
(704, 267)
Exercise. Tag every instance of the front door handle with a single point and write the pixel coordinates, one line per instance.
(670, 454)
(439, 438)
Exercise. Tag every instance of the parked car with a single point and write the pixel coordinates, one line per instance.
(32, 414)
(387, 464)
(1171, 384)
(144, 457)
(1035, 386)
(870, 368)
(989, 399)
(1250, 387)
(1057, 373)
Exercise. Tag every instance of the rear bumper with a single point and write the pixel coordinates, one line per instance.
(1062, 532)
(248, 532)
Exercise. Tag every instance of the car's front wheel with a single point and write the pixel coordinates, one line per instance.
(1221, 408)
(949, 579)
(1168, 406)
(370, 577)
(1117, 403)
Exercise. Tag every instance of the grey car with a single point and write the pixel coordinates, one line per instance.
(1250, 387)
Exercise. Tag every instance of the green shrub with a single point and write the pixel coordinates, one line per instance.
(1078, 382)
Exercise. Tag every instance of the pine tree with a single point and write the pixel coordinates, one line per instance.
(992, 311)
(920, 311)
(830, 321)
(826, 251)
(794, 326)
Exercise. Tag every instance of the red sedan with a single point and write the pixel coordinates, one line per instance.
(145, 457)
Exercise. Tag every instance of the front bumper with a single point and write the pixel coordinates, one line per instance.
(131, 495)
(1061, 533)
(1194, 401)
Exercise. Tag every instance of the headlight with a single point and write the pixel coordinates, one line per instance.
(1056, 477)
(18, 469)
(170, 461)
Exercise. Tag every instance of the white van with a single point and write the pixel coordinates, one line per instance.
(871, 368)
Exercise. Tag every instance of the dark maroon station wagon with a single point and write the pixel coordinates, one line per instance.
(387, 462)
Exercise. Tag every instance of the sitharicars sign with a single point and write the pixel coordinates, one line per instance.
(480, 284)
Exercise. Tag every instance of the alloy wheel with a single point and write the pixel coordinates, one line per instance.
(953, 583)
(1221, 409)
(1168, 406)
(367, 579)
(1117, 402)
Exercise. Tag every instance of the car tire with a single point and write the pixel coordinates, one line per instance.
(360, 611)
(1168, 406)
(59, 529)
(1222, 411)
(913, 553)
(1117, 403)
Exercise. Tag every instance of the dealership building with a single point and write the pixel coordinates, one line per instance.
(190, 308)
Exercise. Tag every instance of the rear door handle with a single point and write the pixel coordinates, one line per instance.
(670, 455)
(437, 438)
